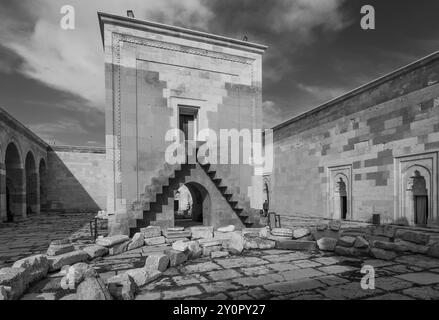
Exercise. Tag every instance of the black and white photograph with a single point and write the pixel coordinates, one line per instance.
(240, 151)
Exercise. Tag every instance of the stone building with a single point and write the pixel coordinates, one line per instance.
(373, 150)
(160, 78)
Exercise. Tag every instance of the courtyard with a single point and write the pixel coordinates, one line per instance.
(255, 274)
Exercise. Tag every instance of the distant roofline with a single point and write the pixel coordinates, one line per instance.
(79, 149)
(182, 32)
(26, 131)
(369, 85)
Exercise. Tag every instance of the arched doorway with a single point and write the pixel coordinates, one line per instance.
(43, 185)
(15, 183)
(32, 201)
(192, 203)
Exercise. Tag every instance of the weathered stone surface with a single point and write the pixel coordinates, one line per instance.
(4, 293)
(170, 234)
(385, 245)
(56, 249)
(413, 236)
(296, 245)
(219, 254)
(70, 297)
(361, 243)
(264, 232)
(16, 279)
(195, 250)
(176, 257)
(172, 240)
(137, 241)
(346, 241)
(141, 276)
(229, 228)
(321, 227)
(236, 243)
(403, 246)
(152, 241)
(204, 232)
(122, 287)
(327, 233)
(384, 230)
(282, 232)
(433, 251)
(95, 251)
(77, 273)
(423, 293)
(252, 241)
(111, 241)
(180, 245)
(151, 232)
(383, 254)
(119, 248)
(207, 250)
(300, 233)
(422, 278)
(157, 261)
(334, 225)
(57, 262)
(327, 244)
(93, 289)
(36, 267)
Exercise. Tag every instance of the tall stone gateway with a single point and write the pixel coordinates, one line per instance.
(159, 78)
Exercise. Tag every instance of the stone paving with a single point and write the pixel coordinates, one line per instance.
(34, 234)
(282, 274)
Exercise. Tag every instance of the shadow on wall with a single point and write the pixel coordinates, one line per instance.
(77, 191)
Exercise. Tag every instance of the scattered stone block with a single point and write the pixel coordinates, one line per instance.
(207, 250)
(282, 232)
(254, 231)
(236, 243)
(155, 241)
(296, 245)
(36, 267)
(141, 276)
(300, 233)
(383, 254)
(219, 254)
(344, 251)
(252, 241)
(264, 232)
(122, 287)
(16, 279)
(346, 241)
(151, 232)
(229, 228)
(119, 248)
(157, 261)
(111, 241)
(4, 293)
(180, 245)
(77, 273)
(433, 251)
(321, 227)
(384, 230)
(413, 236)
(57, 262)
(404, 246)
(202, 232)
(93, 289)
(361, 243)
(57, 248)
(327, 244)
(95, 251)
(385, 245)
(175, 229)
(137, 241)
(328, 233)
(172, 240)
(176, 258)
(334, 225)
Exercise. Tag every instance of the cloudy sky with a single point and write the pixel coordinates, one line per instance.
(53, 80)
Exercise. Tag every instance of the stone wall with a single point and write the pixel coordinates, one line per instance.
(77, 179)
(361, 150)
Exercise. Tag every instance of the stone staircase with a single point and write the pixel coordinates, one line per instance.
(158, 198)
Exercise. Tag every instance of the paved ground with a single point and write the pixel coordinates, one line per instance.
(283, 274)
(33, 235)
(256, 274)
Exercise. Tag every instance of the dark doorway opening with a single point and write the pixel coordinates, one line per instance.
(421, 210)
(9, 215)
(344, 207)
